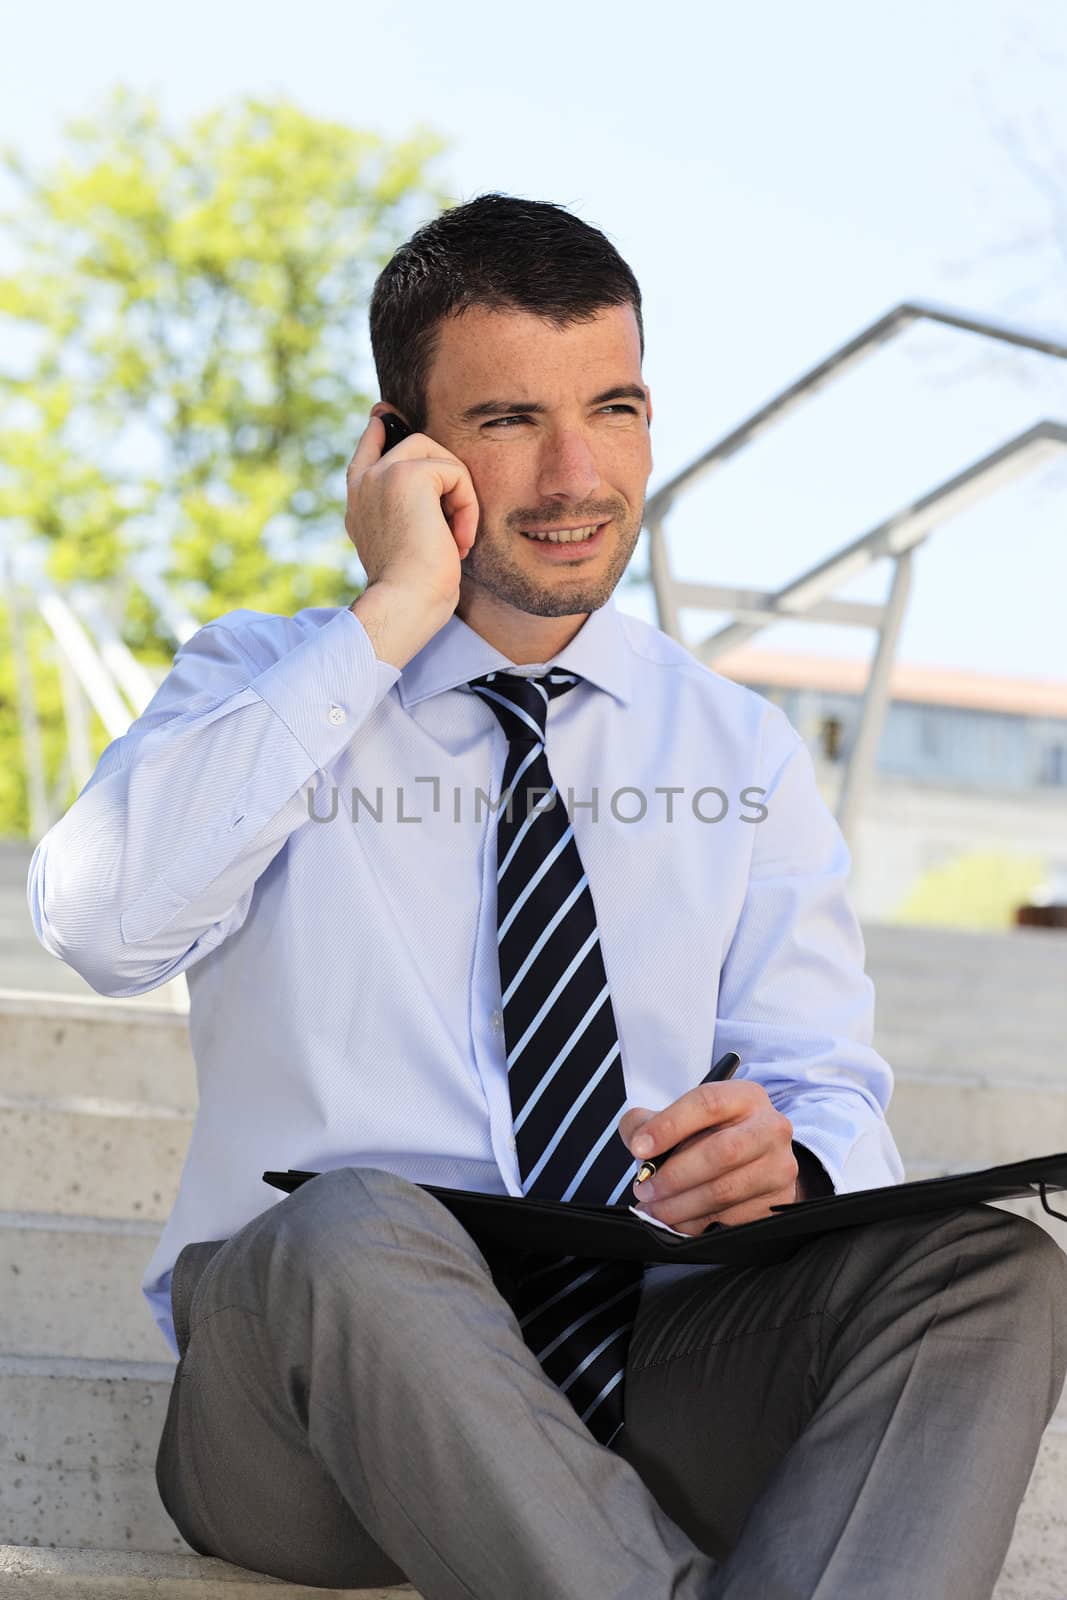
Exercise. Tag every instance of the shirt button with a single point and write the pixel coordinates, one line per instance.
(511, 1144)
(337, 715)
(496, 1021)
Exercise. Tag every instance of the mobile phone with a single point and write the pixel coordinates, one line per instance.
(395, 429)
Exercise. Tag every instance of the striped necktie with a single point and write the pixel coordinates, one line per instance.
(564, 1068)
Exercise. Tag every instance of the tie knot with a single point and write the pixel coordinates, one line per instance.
(521, 703)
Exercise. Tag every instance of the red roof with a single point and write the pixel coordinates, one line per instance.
(942, 686)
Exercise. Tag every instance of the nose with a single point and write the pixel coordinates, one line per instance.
(568, 469)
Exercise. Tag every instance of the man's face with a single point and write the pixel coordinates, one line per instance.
(555, 453)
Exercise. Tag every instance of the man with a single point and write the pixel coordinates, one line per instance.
(504, 997)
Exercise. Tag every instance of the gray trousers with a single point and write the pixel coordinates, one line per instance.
(355, 1406)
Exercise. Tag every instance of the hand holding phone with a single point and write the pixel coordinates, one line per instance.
(412, 515)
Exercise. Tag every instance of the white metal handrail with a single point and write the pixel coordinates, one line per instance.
(833, 367)
(100, 672)
(806, 597)
(810, 597)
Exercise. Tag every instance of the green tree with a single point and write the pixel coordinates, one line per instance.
(185, 363)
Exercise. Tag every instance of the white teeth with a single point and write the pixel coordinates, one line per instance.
(564, 535)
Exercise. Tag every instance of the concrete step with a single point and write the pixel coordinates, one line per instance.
(77, 1465)
(96, 1047)
(58, 1574)
(101, 1314)
(974, 1124)
(982, 1003)
(80, 1156)
(1026, 955)
(1036, 1564)
(1028, 1034)
(945, 1050)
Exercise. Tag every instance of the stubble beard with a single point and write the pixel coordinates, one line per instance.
(561, 592)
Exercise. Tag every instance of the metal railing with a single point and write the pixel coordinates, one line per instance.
(98, 672)
(810, 597)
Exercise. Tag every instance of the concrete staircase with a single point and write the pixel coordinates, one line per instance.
(95, 1111)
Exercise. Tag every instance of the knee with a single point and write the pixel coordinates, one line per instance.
(357, 1221)
(1039, 1264)
(1031, 1270)
(341, 1206)
(1023, 1247)
(354, 1190)
(1043, 1265)
(995, 1257)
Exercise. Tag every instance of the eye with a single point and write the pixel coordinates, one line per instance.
(498, 422)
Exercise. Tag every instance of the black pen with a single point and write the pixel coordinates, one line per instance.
(719, 1073)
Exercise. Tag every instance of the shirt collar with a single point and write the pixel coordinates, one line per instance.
(598, 652)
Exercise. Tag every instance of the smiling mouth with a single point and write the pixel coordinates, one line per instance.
(563, 535)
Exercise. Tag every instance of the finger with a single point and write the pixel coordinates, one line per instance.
(706, 1106)
(716, 1155)
(460, 506)
(369, 448)
(744, 1196)
(706, 1156)
(674, 1175)
(704, 1181)
(631, 1120)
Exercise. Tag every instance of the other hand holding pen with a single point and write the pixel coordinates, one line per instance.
(730, 1156)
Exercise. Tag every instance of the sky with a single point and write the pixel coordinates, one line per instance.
(778, 177)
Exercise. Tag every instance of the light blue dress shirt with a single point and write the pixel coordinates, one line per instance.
(309, 834)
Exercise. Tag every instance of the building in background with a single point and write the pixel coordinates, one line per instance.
(966, 815)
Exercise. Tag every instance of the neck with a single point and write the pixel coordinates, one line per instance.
(524, 639)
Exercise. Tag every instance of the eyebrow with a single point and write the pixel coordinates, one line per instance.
(501, 408)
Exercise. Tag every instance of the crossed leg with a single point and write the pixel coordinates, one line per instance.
(356, 1406)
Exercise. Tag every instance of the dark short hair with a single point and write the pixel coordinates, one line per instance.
(497, 252)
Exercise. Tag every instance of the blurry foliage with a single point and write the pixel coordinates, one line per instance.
(182, 353)
(980, 889)
(41, 649)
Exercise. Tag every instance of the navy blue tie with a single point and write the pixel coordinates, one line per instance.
(564, 1067)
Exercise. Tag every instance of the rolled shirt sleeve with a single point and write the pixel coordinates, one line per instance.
(156, 861)
(794, 999)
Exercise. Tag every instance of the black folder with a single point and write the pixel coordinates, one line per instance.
(558, 1228)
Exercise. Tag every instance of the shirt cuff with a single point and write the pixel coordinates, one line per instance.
(325, 688)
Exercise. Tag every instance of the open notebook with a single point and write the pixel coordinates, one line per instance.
(553, 1227)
